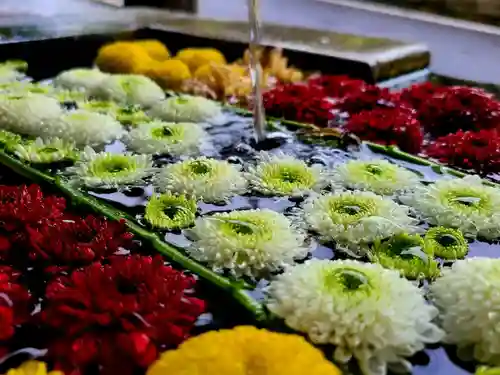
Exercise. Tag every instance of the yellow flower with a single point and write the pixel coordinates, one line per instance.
(196, 57)
(122, 57)
(33, 368)
(219, 77)
(242, 351)
(169, 74)
(156, 49)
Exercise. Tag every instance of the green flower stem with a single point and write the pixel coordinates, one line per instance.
(235, 289)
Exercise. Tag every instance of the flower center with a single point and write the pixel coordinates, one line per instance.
(467, 201)
(479, 142)
(447, 240)
(182, 101)
(166, 131)
(126, 286)
(350, 209)
(199, 167)
(241, 227)
(406, 247)
(374, 169)
(171, 211)
(349, 278)
(49, 150)
(116, 166)
(291, 176)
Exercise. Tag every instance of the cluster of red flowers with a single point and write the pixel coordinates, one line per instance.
(399, 118)
(104, 308)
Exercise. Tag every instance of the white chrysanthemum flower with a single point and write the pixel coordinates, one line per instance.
(378, 176)
(80, 79)
(129, 89)
(355, 219)
(169, 211)
(87, 128)
(465, 204)
(365, 311)
(46, 151)
(468, 297)
(105, 169)
(282, 174)
(207, 179)
(167, 138)
(186, 108)
(247, 243)
(29, 114)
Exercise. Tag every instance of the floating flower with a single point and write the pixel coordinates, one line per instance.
(196, 57)
(132, 115)
(446, 243)
(355, 219)
(167, 211)
(86, 128)
(460, 108)
(99, 106)
(186, 108)
(48, 151)
(244, 350)
(406, 253)
(69, 99)
(478, 151)
(79, 79)
(177, 139)
(24, 87)
(388, 126)
(119, 314)
(468, 299)
(75, 242)
(105, 169)
(8, 139)
(22, 206)
(33, 368)
(370, 98)
(169, 74)
(282, 174)
(28, 114)
(379, 176)
(417, 95)
(338, 86)
(156, 49)
(465, 204)
(14, 302)
(122, 57)
(207, 179)
(365, 311)
(247, 243)
(129, 89)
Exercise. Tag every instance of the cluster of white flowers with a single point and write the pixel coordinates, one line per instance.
(80, 79)
(247, 242)
(186, 108)
(367, 312)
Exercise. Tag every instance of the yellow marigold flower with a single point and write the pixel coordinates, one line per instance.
(169, 74)
(156, 49)
(122, 57)
(196, 57)
(33, 368)
(241, 351)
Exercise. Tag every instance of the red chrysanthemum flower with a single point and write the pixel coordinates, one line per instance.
(315, 110)
(74, 242)
(22, 206)
(479, 151)
(337, 86)
(14, 302)
(283, 100)
(123, 312)
(459, 108)
(417, 95)
(370, 97)
(388, 126)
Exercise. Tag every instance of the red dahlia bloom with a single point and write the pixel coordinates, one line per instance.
(76, 242)
(122, 311)
(479, 151)
(14, 302)
(388, 126)
(370, 97)
(459, 108)
(22, 206)
(337, 86)
(417, 95)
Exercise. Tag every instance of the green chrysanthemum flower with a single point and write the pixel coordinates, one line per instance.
(446, 243)
(47, 151)
(167, 211)
(8, 140)
(246, 242)
(356, 219)
(465, 204)
(129, 89)
(207, 179)
(364, 311)
(80, 79)
(407, 254)
(282, 175)
(186, 108)
(167, 138)
(107, 170)
(378, 176)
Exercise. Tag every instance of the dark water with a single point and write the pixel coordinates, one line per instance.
(232, 140)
